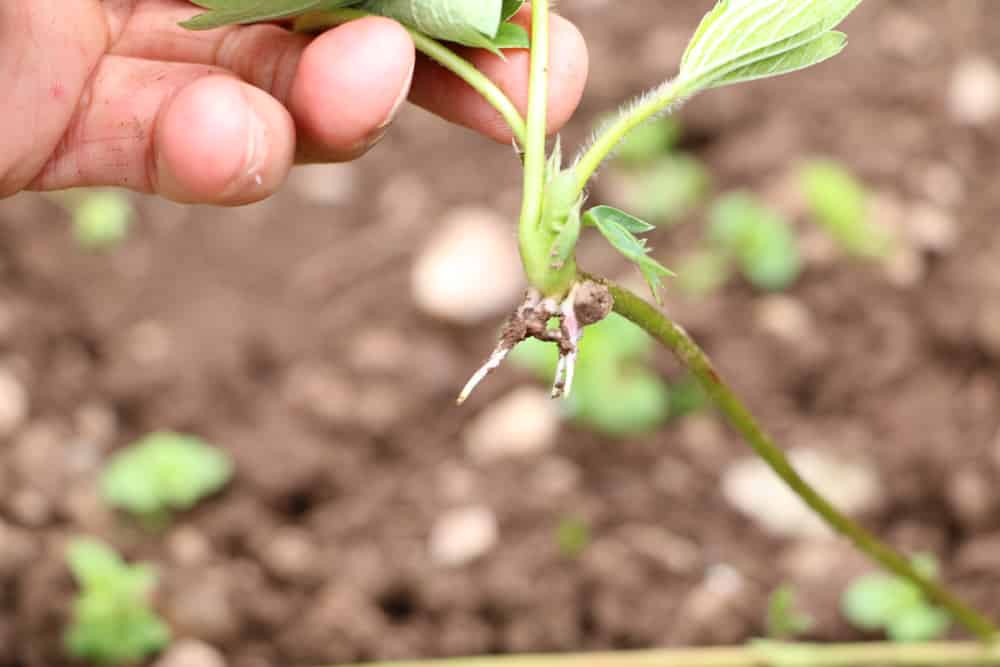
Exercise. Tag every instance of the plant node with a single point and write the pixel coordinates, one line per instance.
(549, 321)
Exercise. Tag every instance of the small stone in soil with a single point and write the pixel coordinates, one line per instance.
(523, 423)
(189, 547)
(974, 97)
(13, 403)
(463, 535)
(751, 487)
(324, 184)
(470, 271)
(18, 548)
(191, 653)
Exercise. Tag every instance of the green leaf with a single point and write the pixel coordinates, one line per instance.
(512, 36)
(511, 7)
(784, 619)
(703, 272)
(839, 204)
(741, 40)
(113, 622)
(760, 240)
(614, 392)
(919, 624)
(470, 23)
(615, 226)
(101, 219)
(572, 536)
(666, 189)
(648, 141)
(617, 216)
(807, 55)
(163, 472)
(229, 12)
(874, 600)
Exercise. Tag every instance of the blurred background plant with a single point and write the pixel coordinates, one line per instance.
(653, 179)
(880, 602)
(614, 391)
(838, 203)
(113, 620)
(162, 473)
(100, 218)
(785, 620)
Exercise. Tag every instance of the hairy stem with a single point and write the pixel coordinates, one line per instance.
(438, 52)
(538, 97)
(759, 654)
(631, 116)
(672, 336)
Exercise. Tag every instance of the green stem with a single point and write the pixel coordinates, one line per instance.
(758, 654)
(538, 99)
(632, 116)
(438, 52)
(660, 327)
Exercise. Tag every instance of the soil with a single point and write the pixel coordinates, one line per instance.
(285, 333)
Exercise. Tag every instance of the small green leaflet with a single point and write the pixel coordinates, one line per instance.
(229, 12)
(620, 228)
(810, 54)
(742, 40)
(483, 23)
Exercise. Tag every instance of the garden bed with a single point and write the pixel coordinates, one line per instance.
(286, 333)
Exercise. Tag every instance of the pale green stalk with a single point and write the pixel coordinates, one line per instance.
(438, 52)
(631, 117)
(694, 359)
(758, 654)
(534, 144)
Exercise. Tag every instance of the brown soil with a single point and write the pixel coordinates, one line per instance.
(243, 326)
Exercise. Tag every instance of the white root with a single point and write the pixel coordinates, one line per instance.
(491, 365)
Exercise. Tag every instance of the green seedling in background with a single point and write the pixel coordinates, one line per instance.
(665, 190)
(882, 602)
(573, 536)
(784, 618)
(648, 142)
(658, 183)
(113, 621)
(614, 392)
(164, 472)
(101, 219)
(704, 271)
(760, 241)
(838, 203)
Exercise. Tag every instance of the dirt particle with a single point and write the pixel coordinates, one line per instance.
(592, 302)
(191, 653)
(13, 403)
(470, 270)
(974, 96)
(463, 535)
(523, 423)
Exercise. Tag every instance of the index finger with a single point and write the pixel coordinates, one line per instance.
(442, 93)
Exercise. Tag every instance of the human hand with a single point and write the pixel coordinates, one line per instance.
(115, 93)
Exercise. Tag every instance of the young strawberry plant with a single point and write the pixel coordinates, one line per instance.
(838, 203)
(162, 473)
(738, 41)
(113, 622)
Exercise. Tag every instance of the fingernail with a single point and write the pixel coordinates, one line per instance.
(257, 146)
(397, 105)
